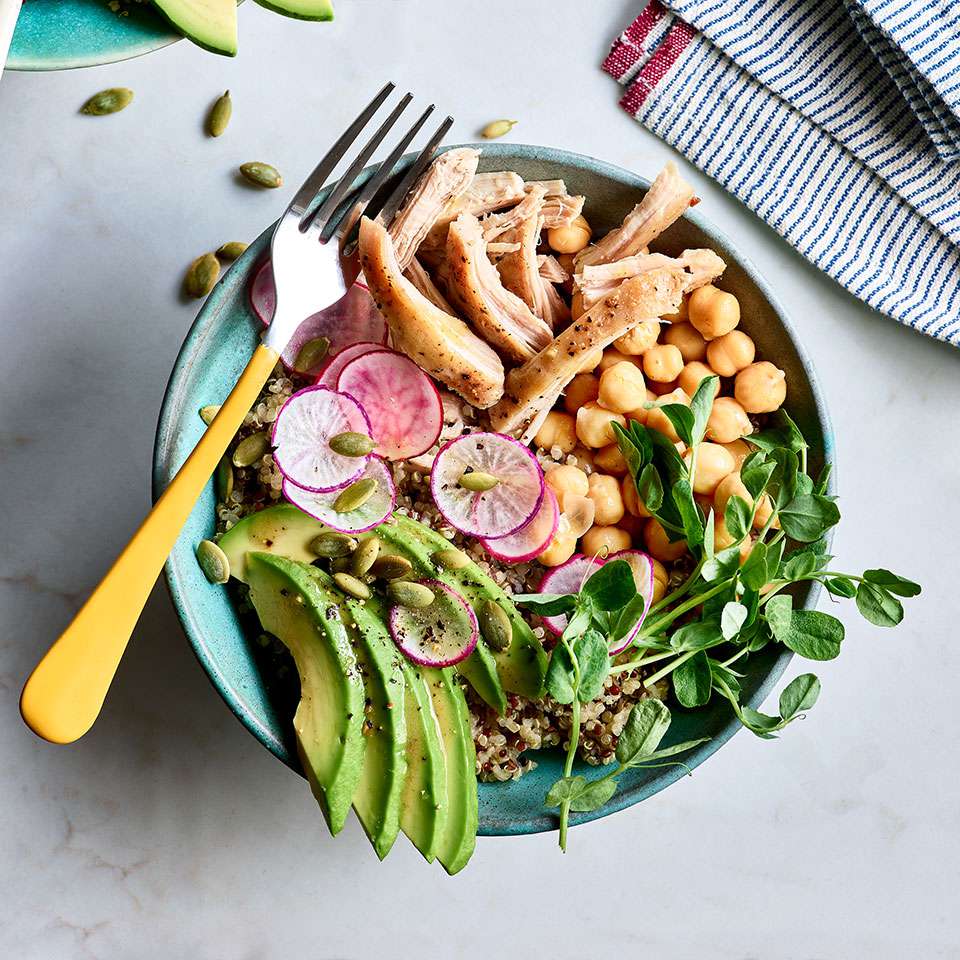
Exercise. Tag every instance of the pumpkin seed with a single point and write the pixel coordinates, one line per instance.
(478, 482)
(497, 129)
(250, 449)
(340, 565)
(332, 544)
(262, 174)
(108, 101)
(451, 559)
(389, 567)
(209, 412)
(231, 250)
(355, 496)
(310, 354)
(365, 556)
(413, 595)
(213, 562)
(220, 114)
(351, 444)
(495, 626)
(351, 586)
(201, 275)
(224, 479)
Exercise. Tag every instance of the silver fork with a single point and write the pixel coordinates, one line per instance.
(63, 696)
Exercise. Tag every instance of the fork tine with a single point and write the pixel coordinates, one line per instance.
(343, 186)
(314, 183)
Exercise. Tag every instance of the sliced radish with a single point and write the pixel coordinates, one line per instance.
(371, 514)
(263, 294)
(530, 540)
(497, 512)
(404, 407)
(578, 514)
(330, 373)
(440, 635)
(569, 577)
(642, 567)
(301, 438)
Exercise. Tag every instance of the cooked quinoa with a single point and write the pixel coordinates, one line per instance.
(503, 743)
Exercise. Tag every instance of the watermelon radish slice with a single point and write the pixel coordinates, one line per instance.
(642, 567)
(371, 514)
(404, 407)
(440, 635)
(301, 439)
(569, 577)
(497, 512)
(263, 294)
(330, 373)
(530, 540)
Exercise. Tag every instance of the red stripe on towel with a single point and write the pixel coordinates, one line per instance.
(658, 66)
(627, 49)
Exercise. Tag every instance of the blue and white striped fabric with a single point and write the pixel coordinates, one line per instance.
(817, 118)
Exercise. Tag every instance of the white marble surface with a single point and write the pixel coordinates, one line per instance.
(167, 832)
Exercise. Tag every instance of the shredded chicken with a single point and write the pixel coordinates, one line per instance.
(561, 211)
(496, 225)
(446, 179)
(499, 249)
(551, 306)
(666, 200)
(551, 188)
(500, 317)
(519, 271)
(417, 274)
(441, 344)
(551, 270)
(539, 381)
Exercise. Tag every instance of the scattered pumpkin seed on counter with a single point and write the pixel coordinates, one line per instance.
(250, 449)
(202, 276)
(231, 250)
(365, 556)
(213, 562)
(261, 174)
(497, 128)
(416, 596)
(333, 544)
(351, 444)
(310, 354)
(112, 100)
(353, 587)
(220, 114)
(355, 496)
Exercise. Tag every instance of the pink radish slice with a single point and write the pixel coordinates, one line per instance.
(301, 439)
(263, 294)
(530, 540)
(495, 513)
(569, 577)
(330, 373)
(371, 514)
(440, 635)
(642, 567)
(404, 407)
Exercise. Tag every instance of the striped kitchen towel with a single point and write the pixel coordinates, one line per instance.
(838, 124)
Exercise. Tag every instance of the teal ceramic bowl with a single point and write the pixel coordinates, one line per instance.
(216, 350)
(62, 34)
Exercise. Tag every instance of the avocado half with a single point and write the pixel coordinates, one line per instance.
(300, 9)
(211, 24)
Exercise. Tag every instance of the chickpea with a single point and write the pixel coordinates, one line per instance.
(761, 387)
(567, 479)
(713, 464)
(729, 354)
(732, 485)
(728, 421)
(562, 548)
(691, 376)
(594, 425)
(639, 339)
(713, 312)
(632, 525)
(603, 541)
(641, 413)
(622, 387)
(686, 338)
(660, 580)
(610, 460)
(566, 261)
(631, 499)
(657, 419)
(557, 430)
(663, 362)
(583, 388)
(612, 357)
(740, 450)
(605, 493)
(578, 514)
(584, 458)
(662, 389)
(570, 239)
(682, 315)
(659, 545)
(590, 359)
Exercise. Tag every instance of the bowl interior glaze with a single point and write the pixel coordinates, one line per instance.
(215, 352)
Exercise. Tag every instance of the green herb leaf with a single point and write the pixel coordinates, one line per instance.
(689, 512)
(723, 565)
(646, 726)
(565, 789)
(878, 605)
(755, 572)
(892, 583)
(682, 419)
(692, 681)
(547, 604)
(701, 405)
(841, 587)
(632, 453)
(756, 472)
(626, 619)
(799, 694)
(778, 612)
(814, 635)
(650, 488)
(724, 677)
(808, 516)
(611, 586)
(561, 679)
(732, 619)
(579, 622)
(738, 517)
(594, 661)
(696, 636)
(594, 795)
(762, 724)
(671, 751)
(823, 481)
(709, 534)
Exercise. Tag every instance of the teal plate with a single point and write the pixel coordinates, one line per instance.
(216, 350)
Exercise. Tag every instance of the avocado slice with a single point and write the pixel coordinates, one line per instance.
(211, 24)
(301, 9)
(294, 606)
(522, 667)
(459, 837)
(283, 530)
(480, 668)
(423, 808)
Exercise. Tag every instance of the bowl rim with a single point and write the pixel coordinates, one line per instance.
(202, 327)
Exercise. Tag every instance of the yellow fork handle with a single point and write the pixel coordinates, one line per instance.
(64, 694)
